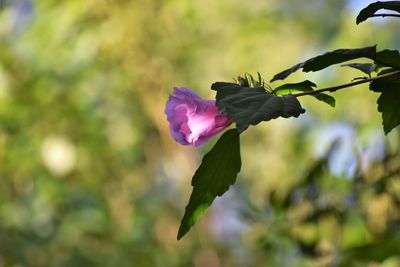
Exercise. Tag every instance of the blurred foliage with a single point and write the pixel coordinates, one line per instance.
(89, 175)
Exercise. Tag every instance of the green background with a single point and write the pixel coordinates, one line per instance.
(90, 176)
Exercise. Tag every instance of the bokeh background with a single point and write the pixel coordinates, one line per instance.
(90, 176)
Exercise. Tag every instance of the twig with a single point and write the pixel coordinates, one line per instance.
(342, 86)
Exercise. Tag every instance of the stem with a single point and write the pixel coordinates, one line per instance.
(386, 15)
(338, 87)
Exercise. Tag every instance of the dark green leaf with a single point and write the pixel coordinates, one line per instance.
(389, 100)
(218, 85)
(304, 86)
(371, 9)
(330, 100)
(389, 58)
(367, 68)
(390, 83)
(218, 171)
(389, 105)
(250, 106)
(322, 61)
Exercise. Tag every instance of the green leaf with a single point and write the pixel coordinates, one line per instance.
(389, 58)
(390, 83)
(217, 85)
(330, 100)
(304, 86)
(367, 68)
(218, 171)
(389, 100)
(228, 89)
(290, 88)
(371, 9)
(330, 58)
(250, 106)
(389, 105)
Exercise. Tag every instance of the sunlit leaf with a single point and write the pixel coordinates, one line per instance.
(305, 86)
(290, 88)
(330, 58)
(250, 106)
(371, 9)
(217, 172)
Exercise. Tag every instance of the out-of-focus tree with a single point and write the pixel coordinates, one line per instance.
(89, 175)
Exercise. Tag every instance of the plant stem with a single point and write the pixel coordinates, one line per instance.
(342, 86)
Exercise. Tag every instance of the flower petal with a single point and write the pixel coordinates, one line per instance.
(193, 120)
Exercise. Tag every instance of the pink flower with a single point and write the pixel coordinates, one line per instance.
(193, 120)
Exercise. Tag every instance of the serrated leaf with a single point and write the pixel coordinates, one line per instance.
(330, 58)
(367, 68)
(371, 9)
(304, 86)
(389, 100)
(389, 58)
(250, 106)
(389, 106)
(390, 83)
(217, 171)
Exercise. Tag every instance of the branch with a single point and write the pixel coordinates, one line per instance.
(342, 86)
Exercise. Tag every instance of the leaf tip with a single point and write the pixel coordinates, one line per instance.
(181, 233)
(387, 128)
